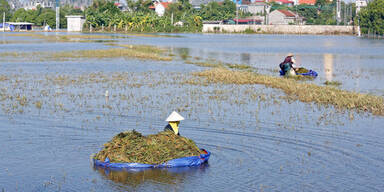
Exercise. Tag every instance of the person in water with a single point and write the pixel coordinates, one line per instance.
(287, 66)
(173, 122)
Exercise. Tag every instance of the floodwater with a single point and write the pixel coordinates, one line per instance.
(54, 115)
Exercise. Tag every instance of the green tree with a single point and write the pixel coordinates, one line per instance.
(5, 8)
(372, 18)
(216, 11)
(68, 10)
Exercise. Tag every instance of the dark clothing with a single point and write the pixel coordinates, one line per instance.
(169, 128)
(286, 65)
(288, 59)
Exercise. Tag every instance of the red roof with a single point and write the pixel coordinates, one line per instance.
(287, 13)
(283, 1)
(165, 5)
(308, 2)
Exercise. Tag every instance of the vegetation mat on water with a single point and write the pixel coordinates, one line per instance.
(144, 52)
(66, 38)
(305, 92)
(109, 53)
(132, 147)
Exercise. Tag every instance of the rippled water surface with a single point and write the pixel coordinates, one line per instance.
(54, 115)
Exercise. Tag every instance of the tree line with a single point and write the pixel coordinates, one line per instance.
(105, 14)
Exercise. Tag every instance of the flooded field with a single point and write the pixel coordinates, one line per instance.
(54, 113)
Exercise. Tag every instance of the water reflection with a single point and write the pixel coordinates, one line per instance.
(137, 177)
(245, 58)
(328, 66)
(183, 53)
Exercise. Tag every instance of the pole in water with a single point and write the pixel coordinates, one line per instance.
(57, 15)
(3, 21)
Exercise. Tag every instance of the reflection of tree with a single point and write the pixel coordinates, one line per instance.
(136, 177)
(183, 53)
(245, 58)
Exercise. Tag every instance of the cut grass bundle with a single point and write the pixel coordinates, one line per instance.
(132, 147)
(304, 92)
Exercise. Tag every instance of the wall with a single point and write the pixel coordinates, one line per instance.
(280, 29)
(276, 17)
(75, 23)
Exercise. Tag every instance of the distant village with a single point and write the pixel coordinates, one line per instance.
(254, 12)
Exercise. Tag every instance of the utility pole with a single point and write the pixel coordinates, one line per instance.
(237, 15)
(57, 15)
(338, 12)
(3, 21)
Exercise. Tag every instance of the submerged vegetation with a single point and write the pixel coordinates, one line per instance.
(332, 83)
(128, 51)
(297, 90)
(109, 53)
(68, 38)
(132, 147)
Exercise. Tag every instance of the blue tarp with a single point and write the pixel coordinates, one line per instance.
(180, 162)
(11, 27)
(309, 73)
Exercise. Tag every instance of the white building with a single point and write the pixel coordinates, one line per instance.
(160, 7)
(360, 4)
(75, 22)
(32, 5)
(284, 17)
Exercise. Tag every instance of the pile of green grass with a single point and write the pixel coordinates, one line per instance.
(302, 70)
(133, 147)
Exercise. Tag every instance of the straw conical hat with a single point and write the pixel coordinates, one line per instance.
(174, 116)
(290, 55)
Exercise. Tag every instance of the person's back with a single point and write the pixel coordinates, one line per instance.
(287, 64)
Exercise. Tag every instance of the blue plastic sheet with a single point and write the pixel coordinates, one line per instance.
(309, 73)
(180, 162)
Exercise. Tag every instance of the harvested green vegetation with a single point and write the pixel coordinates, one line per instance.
(296, 90)
(132, 147)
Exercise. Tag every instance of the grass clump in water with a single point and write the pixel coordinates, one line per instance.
(66, 38)
(133, 147)
(333, 83)
(239, 66)
(109, 53)
(305, 92)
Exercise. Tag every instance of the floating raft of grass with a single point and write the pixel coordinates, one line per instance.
(164, 149)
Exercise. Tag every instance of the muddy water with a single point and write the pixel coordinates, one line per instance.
(259, 141)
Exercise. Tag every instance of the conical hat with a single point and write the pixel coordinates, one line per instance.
(290, 55)
(174, 116)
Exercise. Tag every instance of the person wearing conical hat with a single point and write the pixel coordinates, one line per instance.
(287, 66)
(173, 122)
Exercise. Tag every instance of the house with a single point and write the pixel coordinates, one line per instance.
(284, 2)
(360, 4)
(258, 7)
(32, 5)
(284, 17)
(75, 22)
(21, 26)
(196, 4)
(159, 7)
